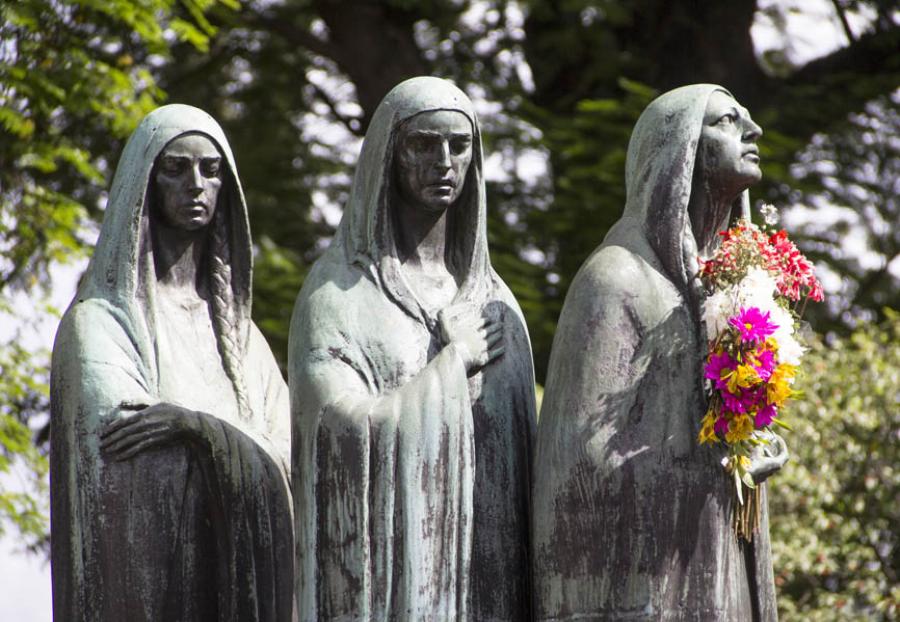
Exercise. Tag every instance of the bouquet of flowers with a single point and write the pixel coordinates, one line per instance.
(758, 285)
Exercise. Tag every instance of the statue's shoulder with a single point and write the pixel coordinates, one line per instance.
(612, 271)
(89, 319)
(333, 293)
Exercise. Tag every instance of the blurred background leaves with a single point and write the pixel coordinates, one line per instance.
(558, 86)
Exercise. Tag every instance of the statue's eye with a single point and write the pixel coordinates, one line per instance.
(418, 143)
(727, 119)
(173, 166)
(459, 144)
(210, 167)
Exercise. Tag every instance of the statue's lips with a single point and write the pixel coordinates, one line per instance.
(752, 154)
(195, 208)
(442, 186)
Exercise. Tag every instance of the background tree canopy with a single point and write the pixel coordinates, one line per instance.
(558, 85)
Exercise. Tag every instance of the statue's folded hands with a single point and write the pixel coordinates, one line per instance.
(154, 426)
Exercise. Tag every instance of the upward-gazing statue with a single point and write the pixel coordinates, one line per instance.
(412, 390)
(170, 433)
(632, 517)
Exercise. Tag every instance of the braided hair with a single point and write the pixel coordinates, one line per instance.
(225, 322)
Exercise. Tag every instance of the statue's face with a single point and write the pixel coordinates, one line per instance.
(433, 155)
(188, 180)
(728, 151)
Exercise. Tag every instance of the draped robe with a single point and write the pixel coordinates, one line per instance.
(632, 517)
(411, 478)
(195, 530)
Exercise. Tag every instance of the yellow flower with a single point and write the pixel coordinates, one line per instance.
(740, 429)
(737, 462)
(744, 376)
(778, 390)
(708, 430)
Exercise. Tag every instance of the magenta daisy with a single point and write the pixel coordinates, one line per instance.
(734, 403)
(765, 360)
(719, 363)
(721, 426)
(753, 325)
(765, 415)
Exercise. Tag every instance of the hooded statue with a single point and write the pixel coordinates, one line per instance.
(411, 478)
(198, 528)
(631, 516)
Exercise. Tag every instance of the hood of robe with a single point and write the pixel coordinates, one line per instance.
(366, 234)
(122, 270)
(659, 172)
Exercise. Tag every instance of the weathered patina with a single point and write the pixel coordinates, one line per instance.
(632, 517)
(412, 389)
(170, 433)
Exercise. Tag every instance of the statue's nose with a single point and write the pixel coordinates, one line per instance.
(443, 160)
(752, 131)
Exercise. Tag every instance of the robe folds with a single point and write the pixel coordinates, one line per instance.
(632, 517)
(195, 530)
(411, 479)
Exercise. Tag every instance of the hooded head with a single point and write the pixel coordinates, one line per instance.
(659, 174)
(366, 235)
(122, 269)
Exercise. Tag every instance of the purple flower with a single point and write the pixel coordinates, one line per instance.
(766, 363)
(716, 365)
(753, 325)
(734, 403)
(746, 401)
(721, 426)
(765, 415)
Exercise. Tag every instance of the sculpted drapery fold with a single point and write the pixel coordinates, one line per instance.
(631, 516)
(196, 530)
(411, 478)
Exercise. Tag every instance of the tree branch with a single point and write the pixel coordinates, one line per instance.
(332, 106)
(843, 17)
(291, 34)
(870, 55)
(819, 96)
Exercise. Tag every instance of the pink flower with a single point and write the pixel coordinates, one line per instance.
(766, 363)
(734, 403)
(717, 364)
(721, 426)
(796, 277)
(765, 415)
(753, 325)
(747, 400)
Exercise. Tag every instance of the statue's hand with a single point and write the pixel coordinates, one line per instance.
(154, 426)
(478, 341)
(767, 459)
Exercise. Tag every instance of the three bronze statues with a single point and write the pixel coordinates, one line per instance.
(401, 474)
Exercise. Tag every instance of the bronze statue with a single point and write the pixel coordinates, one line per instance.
(170, 419)
(632, 517)
(412, 390)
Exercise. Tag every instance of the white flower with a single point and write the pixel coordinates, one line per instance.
(769, 213)
(757, 289)
(789, 349)
(717, 308)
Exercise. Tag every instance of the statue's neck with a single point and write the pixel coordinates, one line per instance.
(709, 210)
(421, 238)
(177, 257)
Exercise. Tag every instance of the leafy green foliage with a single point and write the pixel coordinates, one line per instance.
(834, 508)
(76, 77)
(294, 84)
(24, 402)
(847, 206)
